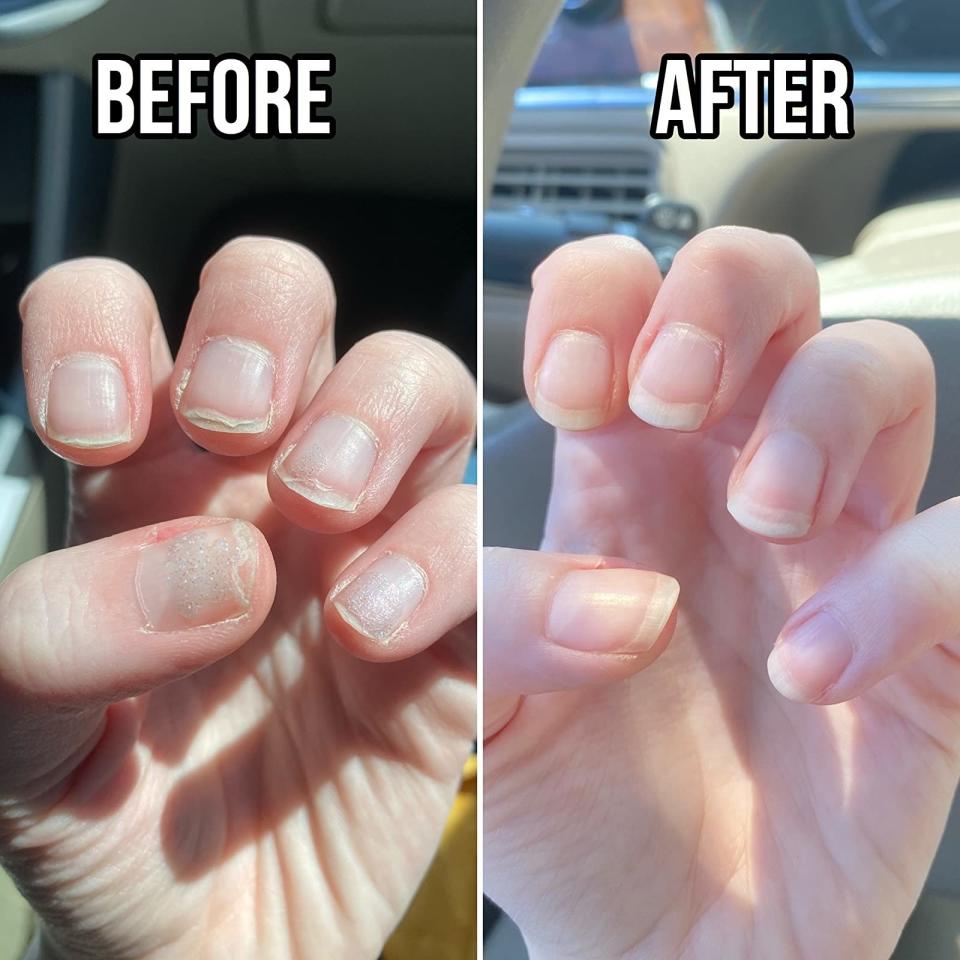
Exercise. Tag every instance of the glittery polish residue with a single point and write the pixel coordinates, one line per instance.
(382, 599)
(199, 571)
(200, 577)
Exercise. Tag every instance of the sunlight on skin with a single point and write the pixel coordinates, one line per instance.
(662, 803)
(269, 789)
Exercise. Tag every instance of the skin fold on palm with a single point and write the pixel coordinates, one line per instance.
(283, 800)
(677, 804)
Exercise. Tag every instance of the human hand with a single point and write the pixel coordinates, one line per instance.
(650, 790)
(190, 764)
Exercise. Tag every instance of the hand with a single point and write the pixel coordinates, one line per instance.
(236, 737)
(650, 790)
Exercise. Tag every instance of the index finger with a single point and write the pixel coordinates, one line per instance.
(590, 299)
(93, 352)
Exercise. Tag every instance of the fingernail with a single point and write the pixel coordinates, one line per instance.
(677, 379)
(229, 389)
(810, 658)
(197, 578)
(87, 403)
(574, 381)
(384, 597)
(778, 492)
(331, 463)
(611, 611)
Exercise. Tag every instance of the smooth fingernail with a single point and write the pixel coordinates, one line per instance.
(198, 578)
(611, 611)
(331, 463)
(229, 389)
(678, 378)
(381, 600)
(778, 492)
(87, 402)
(810, 658)
(574, 380)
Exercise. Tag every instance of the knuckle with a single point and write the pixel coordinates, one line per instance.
(451, 511)
(854, 365)
(271, 269)
(459, 499)
(740, 252)
(416, 359)
(92, 284)
(25, 627)
(598, 261)
(877, 353)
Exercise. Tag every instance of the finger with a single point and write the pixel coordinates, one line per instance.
(848, 425)
(732, 294)
(559, 622)
(394, 420)
(97, 623)
(589, 300)
(414, 585)
(93, 350)
(901, 599)
(263, 312)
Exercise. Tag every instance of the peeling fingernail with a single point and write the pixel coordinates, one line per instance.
(198, 578)
(611, 611)
(331, 463)
(678, 378)
(810, 658)
(778, 492)
(384, 597)
(229, 389)
(574, 381)
(87, 403)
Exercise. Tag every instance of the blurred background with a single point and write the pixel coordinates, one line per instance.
(567, 92)
(389, 204)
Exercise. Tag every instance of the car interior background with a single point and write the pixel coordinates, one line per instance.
(567, 153)
(405, 82)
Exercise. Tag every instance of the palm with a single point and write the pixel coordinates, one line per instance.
(692, 806)
(260, 795)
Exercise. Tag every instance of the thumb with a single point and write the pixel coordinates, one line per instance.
(558, 622)
(90, 625)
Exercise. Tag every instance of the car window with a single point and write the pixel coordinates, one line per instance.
(616, 41)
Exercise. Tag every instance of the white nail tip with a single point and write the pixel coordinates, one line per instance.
(91, 443)
(781, 679)
(659, 610)
(666, 416)
(776, 525)
(221, 423)
(316, 493)
(567, 419)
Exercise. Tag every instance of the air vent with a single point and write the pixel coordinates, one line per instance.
(577, 161)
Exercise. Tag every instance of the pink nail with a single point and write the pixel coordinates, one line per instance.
(611, 611)
(331, 463)
(574, 381)
(810, 658)
(777, 495)
(678, 378)
(229, 389)
(87, 403)
(383, 598)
